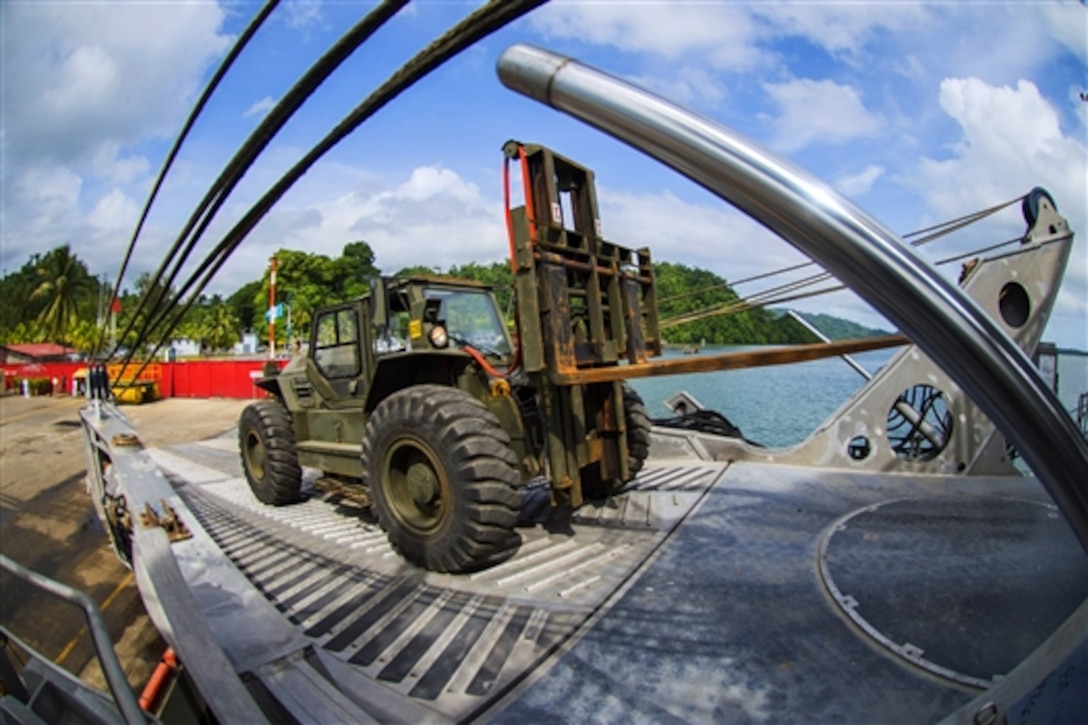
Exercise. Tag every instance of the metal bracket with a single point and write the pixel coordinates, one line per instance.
(168, 521)
(125, 439)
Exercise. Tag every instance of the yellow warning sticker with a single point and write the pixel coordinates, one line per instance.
(415, 329)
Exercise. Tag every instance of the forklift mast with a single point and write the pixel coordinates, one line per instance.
(583, 303)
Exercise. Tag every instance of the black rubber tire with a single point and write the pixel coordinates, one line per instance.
(442, 477)
(637, 423)
(638, 429)
(266, 441)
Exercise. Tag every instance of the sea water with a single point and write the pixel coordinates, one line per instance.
(781, 405)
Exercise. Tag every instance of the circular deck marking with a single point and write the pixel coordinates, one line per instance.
(962, 587)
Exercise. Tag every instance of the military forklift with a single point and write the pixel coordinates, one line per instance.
(416, 400)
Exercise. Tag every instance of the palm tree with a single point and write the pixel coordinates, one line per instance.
(63, 281)
(83, 335)
(219, 326)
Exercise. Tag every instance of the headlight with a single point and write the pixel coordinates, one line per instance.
(438, 336)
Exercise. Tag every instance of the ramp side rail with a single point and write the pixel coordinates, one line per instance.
(100, 638)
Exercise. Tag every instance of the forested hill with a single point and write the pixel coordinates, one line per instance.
(837, 328)
(681, 290)
(690, 293)
(54, 297)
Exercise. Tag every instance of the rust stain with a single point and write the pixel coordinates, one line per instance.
(727, 361)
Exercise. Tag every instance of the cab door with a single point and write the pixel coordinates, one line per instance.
(336, 354)
(336, 366)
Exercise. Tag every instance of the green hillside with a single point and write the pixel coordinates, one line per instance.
(54, 297)
(691, 293)
(837, 328)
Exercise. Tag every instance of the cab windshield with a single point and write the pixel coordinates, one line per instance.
(471, 318)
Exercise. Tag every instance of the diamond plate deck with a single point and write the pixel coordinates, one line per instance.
(694, 595)
(451, 642)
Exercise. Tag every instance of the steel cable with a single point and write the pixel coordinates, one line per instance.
(477, 25)
(769, 296)
(244, 158)
(209, 89)
(939, 230)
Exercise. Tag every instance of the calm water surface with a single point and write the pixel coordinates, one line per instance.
(782, 404)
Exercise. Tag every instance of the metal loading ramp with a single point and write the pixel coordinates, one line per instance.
(449, 644)
(706, 592)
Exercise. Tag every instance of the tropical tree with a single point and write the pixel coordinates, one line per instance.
(218, 326)
(718, 317)
(22, 332)
(83, 335)
(311, 281)
(63, 283)
(243, 303)
(354, 268)
(16, 307)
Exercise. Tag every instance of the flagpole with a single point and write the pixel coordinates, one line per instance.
(274, 264)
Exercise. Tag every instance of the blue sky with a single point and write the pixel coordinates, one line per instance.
(918, 112)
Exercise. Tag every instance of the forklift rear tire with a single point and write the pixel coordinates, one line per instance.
(442, 478)
(638, 425)
(269, 457)
(638, 429)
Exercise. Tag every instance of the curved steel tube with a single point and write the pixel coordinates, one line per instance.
(870, 259)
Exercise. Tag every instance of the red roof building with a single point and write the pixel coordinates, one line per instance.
(37, 352)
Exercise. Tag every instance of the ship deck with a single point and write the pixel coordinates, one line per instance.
(725, 591)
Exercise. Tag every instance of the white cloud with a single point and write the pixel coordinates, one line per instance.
(1078, 98)
(429, 182)
(819, 112)
(860, 183)
(69, 77)
(434, 217)
(437, 218)
(722, 34)
(301, 14)
(52, 193)
(688, 86)
(1069, 24)
(57, 197)
(1007, 41)
(729, 36)
(715, 236)
(87, 89)
(86, 86)
(711, 235)
(115, 212)
(260, 108)
(1011, 141)
(107, 163)
(843, 29)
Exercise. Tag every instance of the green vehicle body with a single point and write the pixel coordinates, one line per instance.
(480, 411)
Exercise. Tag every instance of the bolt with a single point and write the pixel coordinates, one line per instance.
(986, 715)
